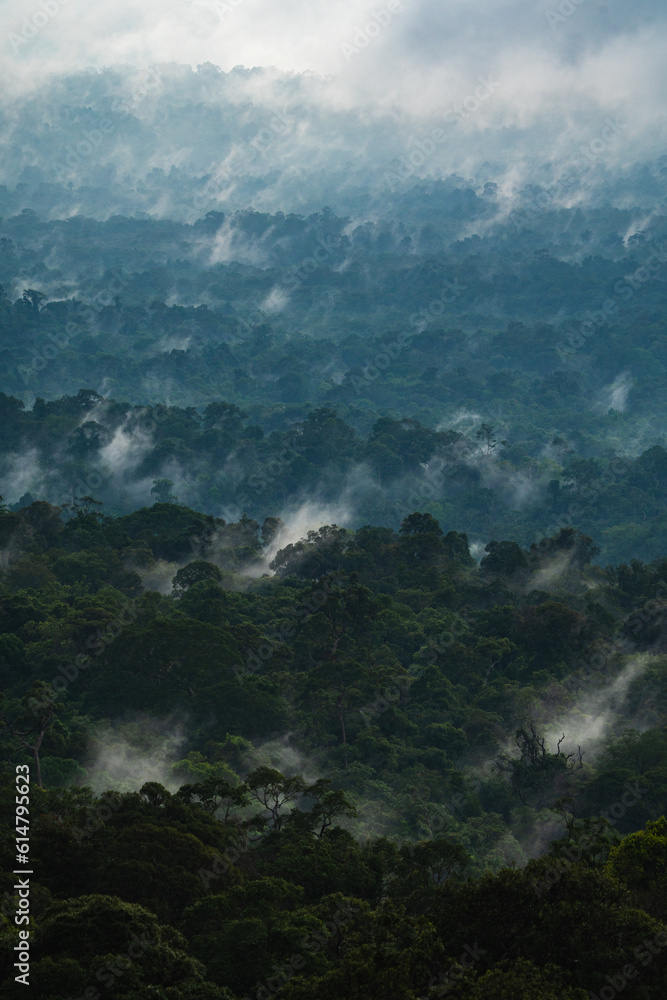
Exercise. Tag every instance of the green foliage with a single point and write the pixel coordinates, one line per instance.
(640, 863)
(400, 672)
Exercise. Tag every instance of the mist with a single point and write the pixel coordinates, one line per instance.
(125, 755)
(600, 712)
(318, 116)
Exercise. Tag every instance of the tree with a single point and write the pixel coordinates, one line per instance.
(162, 490)
(88, 439)
(271, 528)
(34, 716)
(486, 435)
(421, 544)
(538, 776)
(319, 553)
(420, 524)
(124, 941)
(326, 804)
(195, 572)
(216, 794)
(579, 548)
(247, 932)
(34, 299)
(224, 416)
(425, 866)
(518, 979)
(640, 862)
(456, 548)
(504, 558)
(273, 791)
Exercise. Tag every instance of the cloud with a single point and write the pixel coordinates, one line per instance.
(127, 448)
(615, 396)
(23, 473)
(124, 756)
(308, 516)
(594, 713)
(414, 57)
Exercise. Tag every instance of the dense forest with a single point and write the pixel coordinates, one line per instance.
(368, 758)
(307, 462)
(509, 384)
(333, 531)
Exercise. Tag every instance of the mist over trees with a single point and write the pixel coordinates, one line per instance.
(364, 697)
(333, 535)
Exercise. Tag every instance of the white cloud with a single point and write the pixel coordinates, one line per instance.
(355, 86)
(615, 396)
(416, 54)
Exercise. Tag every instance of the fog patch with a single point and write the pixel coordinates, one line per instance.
(592, 718)
(159, 575)
(615, 396)
(282, 755)
(23, 473)
(310, 516)
(276, 301)
(124, 756)
(464, 421)
(477, 551)
(550, 575)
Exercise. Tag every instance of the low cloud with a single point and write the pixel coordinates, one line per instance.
(126, 755)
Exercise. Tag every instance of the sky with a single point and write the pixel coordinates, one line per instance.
(418, 54)
(525, 90)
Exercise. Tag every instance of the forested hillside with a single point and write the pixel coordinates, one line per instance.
(509, 384)
(308, 465)
(352, 751)
(333, 518)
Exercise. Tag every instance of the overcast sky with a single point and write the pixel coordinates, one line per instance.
(545, 63)
(398, 48)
